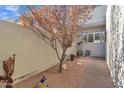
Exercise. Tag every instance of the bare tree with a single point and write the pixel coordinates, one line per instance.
(56, 25)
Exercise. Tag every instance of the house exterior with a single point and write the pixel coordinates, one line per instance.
(92, 35)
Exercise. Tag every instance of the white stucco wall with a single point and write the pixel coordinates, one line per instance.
(115, 43)
(98, 17)
(99, 14)
(32, 54)
(97, 50)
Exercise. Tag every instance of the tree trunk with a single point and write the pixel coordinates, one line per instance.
(62, 59)
(60, 66)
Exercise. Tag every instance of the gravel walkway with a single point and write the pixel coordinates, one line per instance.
(84, 72)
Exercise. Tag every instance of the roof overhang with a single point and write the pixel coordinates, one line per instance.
(94, 24)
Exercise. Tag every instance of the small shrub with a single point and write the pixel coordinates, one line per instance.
(72, 57)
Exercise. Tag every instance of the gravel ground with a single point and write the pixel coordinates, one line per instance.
(83, 72)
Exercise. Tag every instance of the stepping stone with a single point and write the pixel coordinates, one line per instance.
(64, 66)
(79, 63)
(79, 60)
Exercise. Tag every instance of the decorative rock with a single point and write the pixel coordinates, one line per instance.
(64, 66)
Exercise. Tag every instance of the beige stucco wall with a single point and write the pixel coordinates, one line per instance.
(32, 54)
(72, 49)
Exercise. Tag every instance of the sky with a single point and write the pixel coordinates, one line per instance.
(11, 12)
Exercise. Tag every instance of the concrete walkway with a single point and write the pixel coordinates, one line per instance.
(83, 72)
(96, 74)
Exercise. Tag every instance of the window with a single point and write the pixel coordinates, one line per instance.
(103, 37)
(84, 38)
(94, 37)
(97, 38)
(90, 39)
